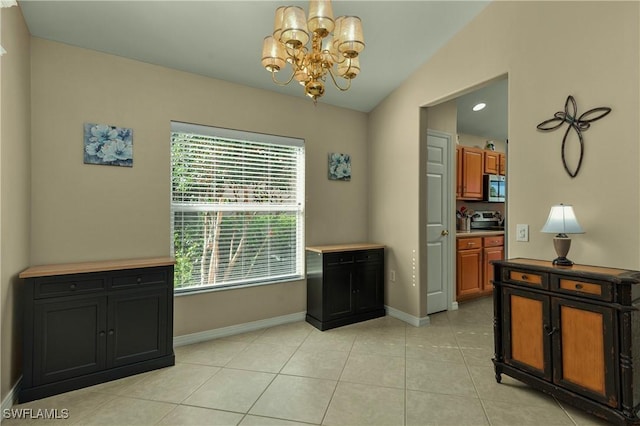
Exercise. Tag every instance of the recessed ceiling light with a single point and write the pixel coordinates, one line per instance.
(479, 106)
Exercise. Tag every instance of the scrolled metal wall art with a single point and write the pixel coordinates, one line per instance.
(580, 124)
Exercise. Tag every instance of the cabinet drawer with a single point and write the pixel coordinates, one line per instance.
(469, 243)
(136, 278)
(68, 285)
(592, 289)
(339, 258)
(534, 279)
(494, 241)
(372, 256)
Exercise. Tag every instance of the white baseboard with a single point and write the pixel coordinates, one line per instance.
(409, 319)
(11, 397)
(216, 333)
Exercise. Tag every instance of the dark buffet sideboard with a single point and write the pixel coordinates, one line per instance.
(88, 323)
(570, 332)
(345, 284)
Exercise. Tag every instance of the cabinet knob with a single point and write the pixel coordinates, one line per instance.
(110, 332)
(138, 280)
(524, 277)
(101, 334)
(579, 286)
(72, 286)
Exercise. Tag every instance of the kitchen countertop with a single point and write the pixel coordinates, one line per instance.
(479, 233)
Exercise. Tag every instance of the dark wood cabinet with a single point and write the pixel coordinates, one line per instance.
(570, 332)
(83, 328)
(345, 284)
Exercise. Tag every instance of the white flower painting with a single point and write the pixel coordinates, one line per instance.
(339, 166)
(108, 145)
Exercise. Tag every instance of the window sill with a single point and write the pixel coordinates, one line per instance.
(208, 289)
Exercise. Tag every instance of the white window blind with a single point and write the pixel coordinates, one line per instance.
(237, 207)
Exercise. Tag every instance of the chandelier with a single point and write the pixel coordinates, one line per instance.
(334, 50)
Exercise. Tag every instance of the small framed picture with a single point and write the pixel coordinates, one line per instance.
(339, 166)
(108, 145)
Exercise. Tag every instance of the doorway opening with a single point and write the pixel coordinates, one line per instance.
(471, 205)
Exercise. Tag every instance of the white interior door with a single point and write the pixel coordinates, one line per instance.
(439, 236)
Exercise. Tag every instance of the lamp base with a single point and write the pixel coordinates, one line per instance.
(562, 261)
(562, 243)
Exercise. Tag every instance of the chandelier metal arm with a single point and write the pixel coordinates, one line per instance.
(281, 83)
(342, 89)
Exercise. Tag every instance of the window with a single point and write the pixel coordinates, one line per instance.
(237, 207)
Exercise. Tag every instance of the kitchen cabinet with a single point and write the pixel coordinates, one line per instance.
(502, 167)
(345, 284)
(87, 323)
(474, 271)
(492, 249)
(468, 268)
(570, 332)
(491, 162)
(472, 173)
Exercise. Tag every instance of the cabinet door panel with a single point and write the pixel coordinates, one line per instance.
(490, 254)
(338, 299)
(370, 287)
(527, 345)
(584, 359)
(473, 166)
(469, 273)
(69, 339)
(137, 326)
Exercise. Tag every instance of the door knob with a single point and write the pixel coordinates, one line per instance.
(444, 233)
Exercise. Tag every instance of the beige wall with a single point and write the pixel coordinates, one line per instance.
(88, 212)
(15, 184)
(522, 39)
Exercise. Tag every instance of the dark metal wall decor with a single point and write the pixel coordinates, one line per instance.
(579, 124)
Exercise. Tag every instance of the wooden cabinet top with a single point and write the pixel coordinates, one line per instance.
(100, 266)
(344, 247)
(577, 270)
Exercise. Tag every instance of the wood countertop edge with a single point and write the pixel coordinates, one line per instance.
(97, 266)
(333, 248)
(577, 269)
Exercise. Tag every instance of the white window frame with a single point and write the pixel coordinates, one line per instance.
(296, 207)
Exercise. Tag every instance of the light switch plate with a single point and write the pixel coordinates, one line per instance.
(522, 232)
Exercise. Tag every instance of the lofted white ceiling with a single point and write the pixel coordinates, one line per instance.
(223, 39)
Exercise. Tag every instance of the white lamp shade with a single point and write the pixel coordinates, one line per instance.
(562, 220)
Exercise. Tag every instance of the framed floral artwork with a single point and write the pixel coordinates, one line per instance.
(108, 145)
(339, 166)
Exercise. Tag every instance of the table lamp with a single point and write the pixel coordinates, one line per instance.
(562, 221)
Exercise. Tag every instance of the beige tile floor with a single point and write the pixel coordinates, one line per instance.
(379, 372)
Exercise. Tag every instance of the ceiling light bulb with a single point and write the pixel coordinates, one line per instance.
(479, 106)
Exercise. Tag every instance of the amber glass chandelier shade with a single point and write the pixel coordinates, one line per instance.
(272, 54)
(320, 17)
(318, 49)
(350, 38)
(294, 27)
(349, 68)
(277, 24)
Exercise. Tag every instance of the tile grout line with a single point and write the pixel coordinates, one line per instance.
(326, 410)
(473, 382)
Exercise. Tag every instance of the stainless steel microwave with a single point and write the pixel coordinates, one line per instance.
(495, 188)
